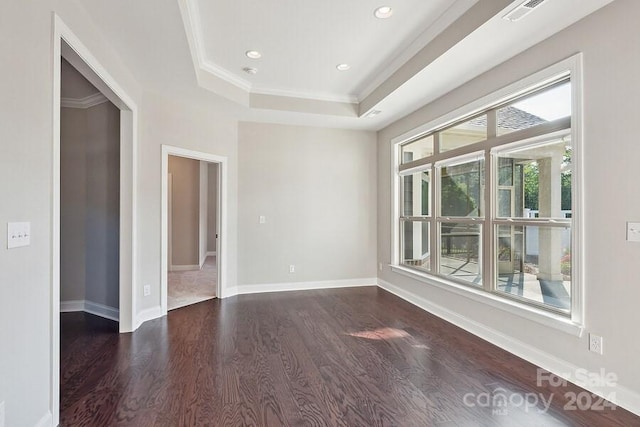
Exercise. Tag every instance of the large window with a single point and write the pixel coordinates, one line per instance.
(487, 201)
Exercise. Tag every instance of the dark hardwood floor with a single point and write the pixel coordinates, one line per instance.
(344, 357)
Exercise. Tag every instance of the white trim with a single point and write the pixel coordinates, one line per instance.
(624, 397)
(184, 267)
(211, 253)
(191, 19)
(46, 420)
(84, 61)
(572, 67)
(84, 103)
(192, 23)
(91, 307)
(101, 310)
(148, 314)
(304, 286)
(221, 216)
(71, 306)
(529, 312)
(347, 99)
(224, 74)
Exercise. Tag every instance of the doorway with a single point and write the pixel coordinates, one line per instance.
(89, 198)
(193, 242)
(66, 46)
(192, 231)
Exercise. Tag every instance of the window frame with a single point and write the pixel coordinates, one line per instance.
(569, 69)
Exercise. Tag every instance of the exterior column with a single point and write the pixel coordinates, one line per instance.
(550, 205)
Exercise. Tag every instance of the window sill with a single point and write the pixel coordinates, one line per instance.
(542, 317)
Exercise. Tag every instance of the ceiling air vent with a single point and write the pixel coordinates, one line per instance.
(523, 10)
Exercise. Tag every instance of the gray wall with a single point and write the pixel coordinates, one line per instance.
(102, 222)
(206, 123)
(317, 189)
(90, 204)
(212, 206)
(26, 180)
(611, 107)
(73, 203)
(185, 211)
(203, 218)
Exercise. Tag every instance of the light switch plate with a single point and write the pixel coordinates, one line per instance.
(633, 231)
(262, 219)
(18, 234)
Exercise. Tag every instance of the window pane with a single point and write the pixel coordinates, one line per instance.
(541, 181)
(469, 132)
(535, 263)
(460, 254)
(416, 244)
(548, 105)
(418, 149)
(462, 188)
(416, 190)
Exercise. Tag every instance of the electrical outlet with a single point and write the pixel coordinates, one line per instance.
(1, 414)
(147, 290)
(380, 266)
(18, 234)
(595, 343)
(292, 268)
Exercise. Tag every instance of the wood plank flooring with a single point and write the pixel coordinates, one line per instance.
(343, 357)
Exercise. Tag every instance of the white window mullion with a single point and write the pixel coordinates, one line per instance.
(488, 238)
(435, 213)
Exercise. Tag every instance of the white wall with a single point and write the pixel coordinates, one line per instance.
(25, 182)
(611, 108)
(317, 189)
(171, 121)
(209, 125)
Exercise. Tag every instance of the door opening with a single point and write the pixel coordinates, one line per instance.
(193, 227)
(120, 240)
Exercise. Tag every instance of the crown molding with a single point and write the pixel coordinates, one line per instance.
(191, 19)
(84, 103)
(349, 99)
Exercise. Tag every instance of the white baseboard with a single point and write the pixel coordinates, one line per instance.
(184, 267)
(102, 310)
(624, 397)
(301, 286)
(90, 307)
(212, 253)
(148, 314)
(71, 306)
(46, 420)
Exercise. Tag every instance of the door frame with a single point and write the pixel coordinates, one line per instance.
(221, 217)
(66, 44)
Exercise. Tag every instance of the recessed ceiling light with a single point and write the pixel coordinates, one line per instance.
(253, 54)
(250, 70)
(383, 12)
(343, 67)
